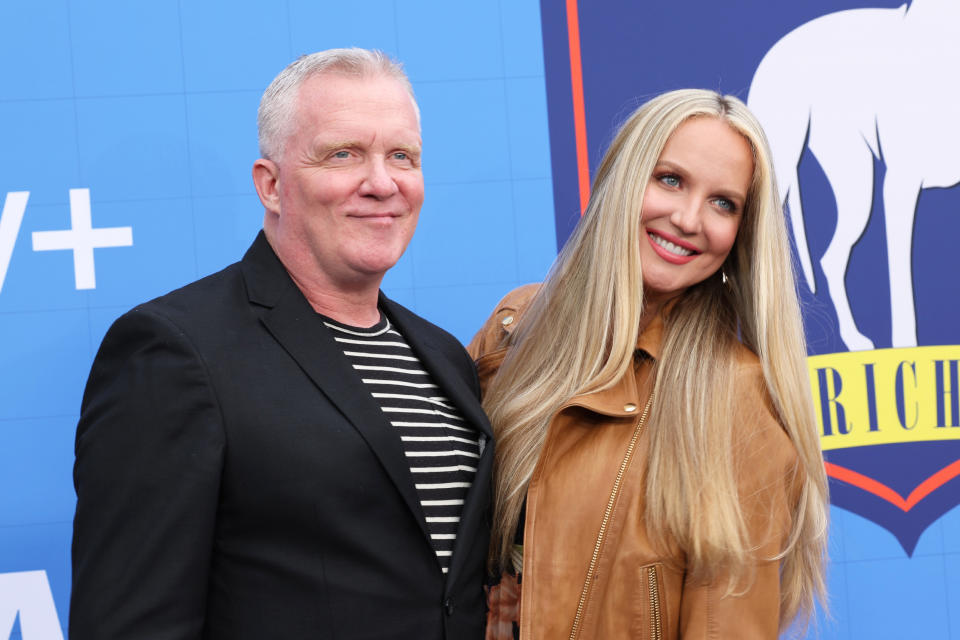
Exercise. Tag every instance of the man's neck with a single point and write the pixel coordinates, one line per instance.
(352, 300)
(354, 306)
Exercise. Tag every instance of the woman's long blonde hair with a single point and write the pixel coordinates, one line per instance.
(579, 333)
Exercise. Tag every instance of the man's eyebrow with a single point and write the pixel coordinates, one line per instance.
(412, 149)
(324, 147)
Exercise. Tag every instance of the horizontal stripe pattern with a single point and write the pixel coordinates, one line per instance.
(440, 447)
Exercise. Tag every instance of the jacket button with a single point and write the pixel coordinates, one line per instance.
(630, 407)
(448, 606)
(507, 321)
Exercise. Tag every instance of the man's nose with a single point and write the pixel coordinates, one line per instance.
(687, 216)
(377, 180)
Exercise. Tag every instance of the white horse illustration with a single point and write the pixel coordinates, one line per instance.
(853, 85)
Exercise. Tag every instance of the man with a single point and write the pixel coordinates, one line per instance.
(278, 450)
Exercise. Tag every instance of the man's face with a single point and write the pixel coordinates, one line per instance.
(348, 185)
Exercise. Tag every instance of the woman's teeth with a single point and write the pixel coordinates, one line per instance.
(669, 246)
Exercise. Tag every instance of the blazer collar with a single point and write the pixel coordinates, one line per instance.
(300, 331)
(266, 278)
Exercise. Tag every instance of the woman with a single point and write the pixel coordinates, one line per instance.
(658, 470)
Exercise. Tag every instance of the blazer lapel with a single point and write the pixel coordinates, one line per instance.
(444, 372)
(474, 518)
(300, 331)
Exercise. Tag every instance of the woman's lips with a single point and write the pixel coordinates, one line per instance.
(672, 250)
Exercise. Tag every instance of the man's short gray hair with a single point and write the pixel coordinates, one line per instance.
(277, 106)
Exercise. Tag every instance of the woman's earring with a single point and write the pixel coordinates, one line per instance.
(724, 274)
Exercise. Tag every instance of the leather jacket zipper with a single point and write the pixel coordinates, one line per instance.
(656, 626)
(588, 582)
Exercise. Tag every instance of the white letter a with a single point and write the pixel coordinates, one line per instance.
(29, 593)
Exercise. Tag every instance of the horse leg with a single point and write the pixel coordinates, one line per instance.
(900, 193)
(795, 208)
(848, 164)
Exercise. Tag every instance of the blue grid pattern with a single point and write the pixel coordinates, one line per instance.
(152, 107)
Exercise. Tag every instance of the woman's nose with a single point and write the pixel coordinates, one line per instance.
(687, 216)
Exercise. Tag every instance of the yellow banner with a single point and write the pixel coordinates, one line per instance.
(886, 396)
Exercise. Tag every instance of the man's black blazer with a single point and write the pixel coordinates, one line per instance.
(235, 479)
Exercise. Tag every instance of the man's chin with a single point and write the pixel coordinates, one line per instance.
(376, 266)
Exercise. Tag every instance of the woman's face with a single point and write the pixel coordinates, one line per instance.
(693, 205)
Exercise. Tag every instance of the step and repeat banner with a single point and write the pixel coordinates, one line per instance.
(127, 133)
(859, 102)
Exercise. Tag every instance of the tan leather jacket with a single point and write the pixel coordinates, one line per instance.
(636, 591)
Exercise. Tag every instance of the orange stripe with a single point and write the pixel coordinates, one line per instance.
(579, 113)
(881, 490)
(867, 484)
(933, 483)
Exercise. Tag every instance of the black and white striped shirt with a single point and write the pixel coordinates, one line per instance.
(441, 448)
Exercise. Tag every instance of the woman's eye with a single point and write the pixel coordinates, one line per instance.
(670, 180)
(726, 205)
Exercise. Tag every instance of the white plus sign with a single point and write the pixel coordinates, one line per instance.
(82, 238)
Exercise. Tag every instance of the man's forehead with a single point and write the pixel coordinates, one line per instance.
(334, 101)
(333, 87)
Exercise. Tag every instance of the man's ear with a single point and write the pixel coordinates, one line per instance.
(266, 179)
